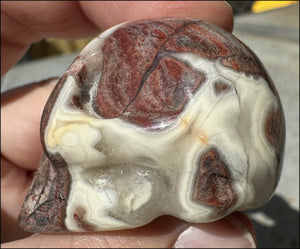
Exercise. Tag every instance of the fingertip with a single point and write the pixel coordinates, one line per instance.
(245, 221)
(106, 14)
(233, 231)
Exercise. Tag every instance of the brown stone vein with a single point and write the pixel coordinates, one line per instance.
(44, 208)
(213, 183)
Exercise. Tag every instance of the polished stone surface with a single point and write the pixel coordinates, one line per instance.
(156, 117)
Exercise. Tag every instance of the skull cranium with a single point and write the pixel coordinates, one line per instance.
(156, 117)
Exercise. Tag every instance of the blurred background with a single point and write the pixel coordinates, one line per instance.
(271, 30)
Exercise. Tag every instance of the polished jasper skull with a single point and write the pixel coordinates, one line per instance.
(156, 117)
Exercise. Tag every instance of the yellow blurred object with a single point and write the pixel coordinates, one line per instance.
(260, 6)
(51, 46)
(67, 46)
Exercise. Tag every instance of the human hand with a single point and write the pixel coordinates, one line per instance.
(26, 22)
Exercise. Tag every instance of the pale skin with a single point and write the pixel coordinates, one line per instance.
(24, 23)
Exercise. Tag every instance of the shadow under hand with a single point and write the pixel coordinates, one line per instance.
(276, 224)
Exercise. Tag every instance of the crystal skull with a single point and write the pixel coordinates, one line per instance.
(156, 117)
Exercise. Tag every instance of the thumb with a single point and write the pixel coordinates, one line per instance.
(233, 231)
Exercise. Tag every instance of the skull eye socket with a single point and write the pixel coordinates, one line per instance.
(213, 183)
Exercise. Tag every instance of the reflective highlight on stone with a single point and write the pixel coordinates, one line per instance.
(156, 117)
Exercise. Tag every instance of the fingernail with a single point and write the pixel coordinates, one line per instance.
(226, 2)
(228, 233)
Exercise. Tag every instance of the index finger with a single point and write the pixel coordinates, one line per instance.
(115, 12)
(23, 23)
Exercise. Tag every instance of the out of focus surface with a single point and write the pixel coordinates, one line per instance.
(272, 32)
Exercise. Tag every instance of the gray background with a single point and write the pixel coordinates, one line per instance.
(274, 37)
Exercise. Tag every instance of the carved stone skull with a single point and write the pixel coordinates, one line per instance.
(156, 117)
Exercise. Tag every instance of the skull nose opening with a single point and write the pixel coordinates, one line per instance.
(139, 188)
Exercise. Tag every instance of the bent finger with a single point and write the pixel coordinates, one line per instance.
(23, 23)
(115, 12)
(164, 232)
(21, 111)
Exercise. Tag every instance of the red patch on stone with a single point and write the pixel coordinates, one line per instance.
(213, 184)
